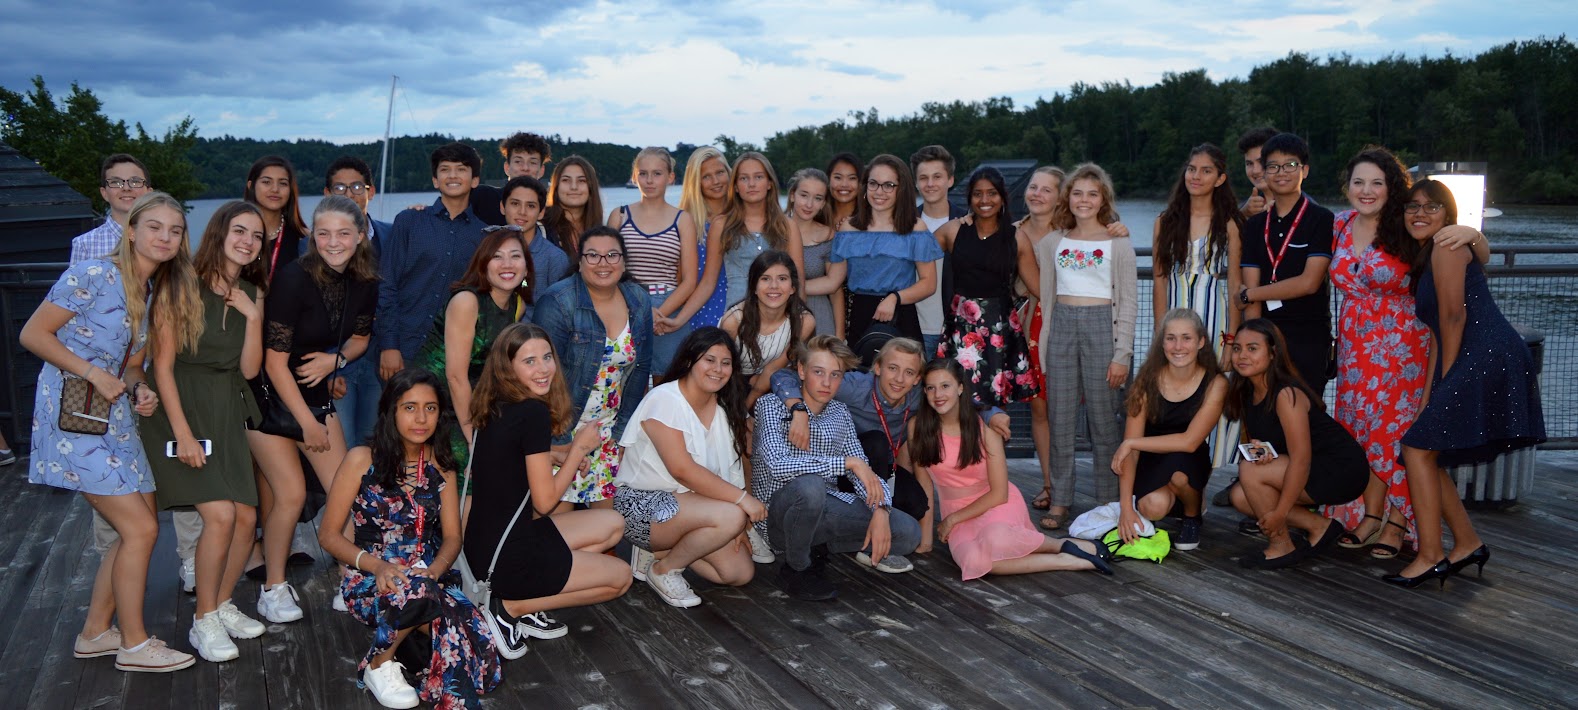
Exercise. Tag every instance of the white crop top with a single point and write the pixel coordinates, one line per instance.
(1084, 269)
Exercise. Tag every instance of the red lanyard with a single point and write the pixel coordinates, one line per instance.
(416, 508)
(273, 259)
(1276, 261)
(904, 422)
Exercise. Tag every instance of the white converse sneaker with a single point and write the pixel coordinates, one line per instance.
(640, 562)
(278, 605)
(153, 657)
(189, 575)
(105, 644)
(672, 588)
(208, 636)
(237, 624)
(760, 553)
(388, 685)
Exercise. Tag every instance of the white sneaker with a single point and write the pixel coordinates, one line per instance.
(388, 685)
(892, 564)
(210, 639)
(672, 588)
(760, 553)
(237, 624)
(189, 575)
(338, 604)
(105, 644)
(278, 605)
(153, 657)
(640, 562)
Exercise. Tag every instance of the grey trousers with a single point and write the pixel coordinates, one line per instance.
(1078, 351)
(188, 527)
(803, 515)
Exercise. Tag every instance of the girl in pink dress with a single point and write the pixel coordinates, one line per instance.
(960, 464)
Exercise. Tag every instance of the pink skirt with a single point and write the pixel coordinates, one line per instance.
(1001, 533)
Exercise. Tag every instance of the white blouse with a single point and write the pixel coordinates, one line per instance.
(711, 446)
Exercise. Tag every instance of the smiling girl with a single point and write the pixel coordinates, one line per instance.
(662, 254)
(812, 215)
(271, 185)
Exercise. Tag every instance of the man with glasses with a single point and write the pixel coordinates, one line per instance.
(425, 252)
(1287, 249)
(349, 176)
(122, 180)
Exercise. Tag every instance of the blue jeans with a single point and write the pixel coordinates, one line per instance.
(803, 515)
(665, 347)
(929, 342)
(358, 409)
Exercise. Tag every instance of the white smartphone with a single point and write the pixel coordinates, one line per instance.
(207, 444)
(1258, 451)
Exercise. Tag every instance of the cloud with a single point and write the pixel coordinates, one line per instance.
(656, 72)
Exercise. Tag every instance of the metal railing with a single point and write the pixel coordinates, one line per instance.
(1539, 295)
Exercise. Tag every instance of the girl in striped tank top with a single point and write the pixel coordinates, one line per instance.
(660, 250)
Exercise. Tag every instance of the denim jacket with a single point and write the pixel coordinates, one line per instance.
(565, 311)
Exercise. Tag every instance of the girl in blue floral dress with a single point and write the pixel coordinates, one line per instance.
(400, 495)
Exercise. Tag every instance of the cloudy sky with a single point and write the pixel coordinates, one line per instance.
(660, 72)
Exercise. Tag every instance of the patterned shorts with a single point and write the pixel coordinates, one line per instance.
(641, 509)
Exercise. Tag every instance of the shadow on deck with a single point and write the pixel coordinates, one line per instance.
(1194, 631)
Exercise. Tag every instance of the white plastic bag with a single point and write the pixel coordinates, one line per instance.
(1094, 523)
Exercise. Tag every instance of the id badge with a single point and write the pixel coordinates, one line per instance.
(1273, 305)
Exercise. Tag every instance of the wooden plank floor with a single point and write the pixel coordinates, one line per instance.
(1195, 631)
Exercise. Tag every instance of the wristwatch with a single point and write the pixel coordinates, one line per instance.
(1243, 296)
(339, 361)
(796, 407)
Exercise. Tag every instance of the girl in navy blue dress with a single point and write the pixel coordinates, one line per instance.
(1483, 397)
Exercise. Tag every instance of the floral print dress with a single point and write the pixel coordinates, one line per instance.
(982, 329)
(602, 410)
(402, 526)
(1382, 352)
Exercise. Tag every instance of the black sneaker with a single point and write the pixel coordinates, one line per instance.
(806, 585)
(1224, 497)
(1189, 534)
(508, 635)
(541, 626)
(7, 457)
(1249, 526)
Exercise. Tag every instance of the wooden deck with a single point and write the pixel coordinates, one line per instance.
(1193, 632)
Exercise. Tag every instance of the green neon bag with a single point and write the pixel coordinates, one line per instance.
(1154, 547)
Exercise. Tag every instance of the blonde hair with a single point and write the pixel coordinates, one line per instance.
(652, 151)
(690, 198)
(1063, 217)
(175, 303)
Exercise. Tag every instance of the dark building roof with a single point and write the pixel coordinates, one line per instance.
(39, 213)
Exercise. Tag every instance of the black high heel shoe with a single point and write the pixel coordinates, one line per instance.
(1478, 557)
(1441, 571)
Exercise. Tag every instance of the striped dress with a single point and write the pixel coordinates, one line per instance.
(652, 259)
(1201, 285)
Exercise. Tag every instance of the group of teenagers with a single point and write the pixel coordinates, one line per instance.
(508, 379)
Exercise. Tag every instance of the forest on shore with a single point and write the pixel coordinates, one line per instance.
(1514, 106)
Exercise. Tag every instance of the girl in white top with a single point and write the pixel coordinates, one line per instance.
(771, 317)
(681, 484)
(1088, 279)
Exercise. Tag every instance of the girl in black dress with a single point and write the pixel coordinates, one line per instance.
(1173, 406)
(520, 403)
(1317, 462)
(318, 317)
(1483, 398)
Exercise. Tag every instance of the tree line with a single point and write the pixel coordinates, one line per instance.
(1514, 106)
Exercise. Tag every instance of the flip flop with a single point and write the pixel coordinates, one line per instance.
(1043, 500)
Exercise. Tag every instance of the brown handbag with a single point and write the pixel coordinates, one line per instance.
(82, 409)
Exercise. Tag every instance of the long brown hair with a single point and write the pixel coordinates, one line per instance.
(1436, 191)
(1063, 217)
(751, 307)
(732, 397)
(209, 263)
(1173, 238)
(558, 221)
(290, 214)
(1281, 374)
(823, 216)
(1391, 230)
(776, 228)
(905, 213)
(498, 386)
(475, 277)
(362, 266)
(175, 303)
(926, 442)
(1145, 396)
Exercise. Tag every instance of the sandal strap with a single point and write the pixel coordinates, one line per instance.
(1396, 524)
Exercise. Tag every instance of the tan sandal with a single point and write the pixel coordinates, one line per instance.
(1043, 500)
(1054, 521)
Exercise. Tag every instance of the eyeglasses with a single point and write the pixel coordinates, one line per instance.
(503, 228)
(1292, 166)
(592, 257)
(355, 188)
(874, 186)
(1416, 207)
(127, 183)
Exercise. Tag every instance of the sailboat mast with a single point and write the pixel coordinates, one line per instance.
(383, 167)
